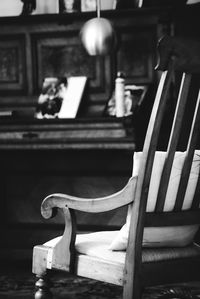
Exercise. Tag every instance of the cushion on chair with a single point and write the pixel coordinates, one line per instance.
(165, 236)
(97, 245)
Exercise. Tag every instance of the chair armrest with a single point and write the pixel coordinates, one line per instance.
(58, 253)
(93, 205)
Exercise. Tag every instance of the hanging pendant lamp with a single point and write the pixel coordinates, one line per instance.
(98, 35)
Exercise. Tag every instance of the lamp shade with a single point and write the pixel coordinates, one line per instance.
(98, 36)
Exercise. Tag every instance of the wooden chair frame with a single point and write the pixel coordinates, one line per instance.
(174, 55)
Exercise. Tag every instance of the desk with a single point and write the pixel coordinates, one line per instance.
(86, 158)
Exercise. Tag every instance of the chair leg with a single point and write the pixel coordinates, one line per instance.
(43, 288)
(132, 288)
(43, 284)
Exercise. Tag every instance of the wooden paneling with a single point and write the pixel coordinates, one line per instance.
(55, 134)
(88, 158)
(136, 56)
(28, 176)
(13, 64)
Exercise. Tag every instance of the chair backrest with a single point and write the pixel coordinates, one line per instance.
(179, 60)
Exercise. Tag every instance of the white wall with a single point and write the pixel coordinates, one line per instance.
(10, 7)
(14, 7)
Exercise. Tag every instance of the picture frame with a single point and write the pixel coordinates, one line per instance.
(159, 3)
(60, 97)
(90, 5)
(46, 7)
(69, 6)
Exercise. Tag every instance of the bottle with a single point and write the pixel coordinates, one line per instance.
(119, 94)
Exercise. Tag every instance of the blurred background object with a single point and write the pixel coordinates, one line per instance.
(98, 35)
(51, 97)
(91, 5)
(10, 8)
(46, 7)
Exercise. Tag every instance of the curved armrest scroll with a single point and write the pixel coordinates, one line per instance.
(101, 204)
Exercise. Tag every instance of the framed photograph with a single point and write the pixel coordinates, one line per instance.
(160, 3)
(51, 97)
(10, 8)
(46, 7)
(69, 6)
(90, 5)
(60, 97)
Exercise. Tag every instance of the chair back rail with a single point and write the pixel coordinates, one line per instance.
(173, 55)
(187, 217)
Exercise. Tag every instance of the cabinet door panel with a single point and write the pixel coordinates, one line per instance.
(136, 54)
(12, 61)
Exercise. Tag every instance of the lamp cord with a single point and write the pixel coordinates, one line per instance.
(98, 8)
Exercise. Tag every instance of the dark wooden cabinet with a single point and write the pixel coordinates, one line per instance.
(39, 46)
(86, 158)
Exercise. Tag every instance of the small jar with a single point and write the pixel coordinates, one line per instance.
(120, 95)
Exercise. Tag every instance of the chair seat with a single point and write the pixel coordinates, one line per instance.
(94, 258)
(94, 253)
(97, 245)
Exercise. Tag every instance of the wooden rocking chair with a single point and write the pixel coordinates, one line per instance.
(160, 247)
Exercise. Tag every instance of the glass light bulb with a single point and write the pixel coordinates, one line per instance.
(98, 36)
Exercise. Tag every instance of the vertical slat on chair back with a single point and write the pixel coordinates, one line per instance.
(193, 138)
(173, 141)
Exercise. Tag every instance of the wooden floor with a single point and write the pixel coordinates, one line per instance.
(17, 281)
